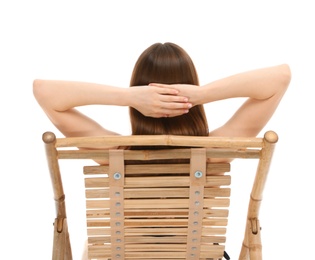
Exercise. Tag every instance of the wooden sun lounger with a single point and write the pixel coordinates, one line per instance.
(158, 203)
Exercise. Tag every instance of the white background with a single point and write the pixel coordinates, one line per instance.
(99, 41)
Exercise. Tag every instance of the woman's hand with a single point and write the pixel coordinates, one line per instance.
(191, 92)
(159, 101)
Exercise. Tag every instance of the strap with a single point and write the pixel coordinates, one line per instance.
(226, 256)
(116, 195)
(197, 182)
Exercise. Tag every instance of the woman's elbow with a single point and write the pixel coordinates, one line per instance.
(36, 86)
(39, 91)
(285, 77)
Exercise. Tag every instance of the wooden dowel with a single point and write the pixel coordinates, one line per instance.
(155, 140)
(53, 165)
(270, 139)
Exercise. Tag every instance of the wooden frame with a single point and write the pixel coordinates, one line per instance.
(158, 203)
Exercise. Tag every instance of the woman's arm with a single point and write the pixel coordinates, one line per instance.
(263, 88)
(60, 98)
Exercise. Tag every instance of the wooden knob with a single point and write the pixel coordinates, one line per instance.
(271, 137)
(49, 137)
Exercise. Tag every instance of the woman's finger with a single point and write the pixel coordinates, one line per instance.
(174, 99)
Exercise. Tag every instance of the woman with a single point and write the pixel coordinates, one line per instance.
(165, 98)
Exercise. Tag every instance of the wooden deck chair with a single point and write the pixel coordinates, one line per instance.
(157, 203)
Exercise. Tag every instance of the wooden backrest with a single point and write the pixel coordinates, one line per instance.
(159, 203)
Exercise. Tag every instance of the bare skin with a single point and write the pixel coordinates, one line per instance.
(263, 88)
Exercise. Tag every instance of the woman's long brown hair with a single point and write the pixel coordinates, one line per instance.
(167, 63)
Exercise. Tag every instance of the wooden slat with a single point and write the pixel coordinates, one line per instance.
(98, 182)
(163, 222)
(174, 181)
(156, 239)
(158, 169)
(158, 181)
(158, 155)
(156, 203)
(158, 192)
(175, 252)
(206, 231)
(156, 247)
(137, 213)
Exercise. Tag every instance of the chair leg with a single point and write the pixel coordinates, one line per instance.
(252, 248)
(68, 253)
(244, 254)
(61, 243)
(255, 248)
